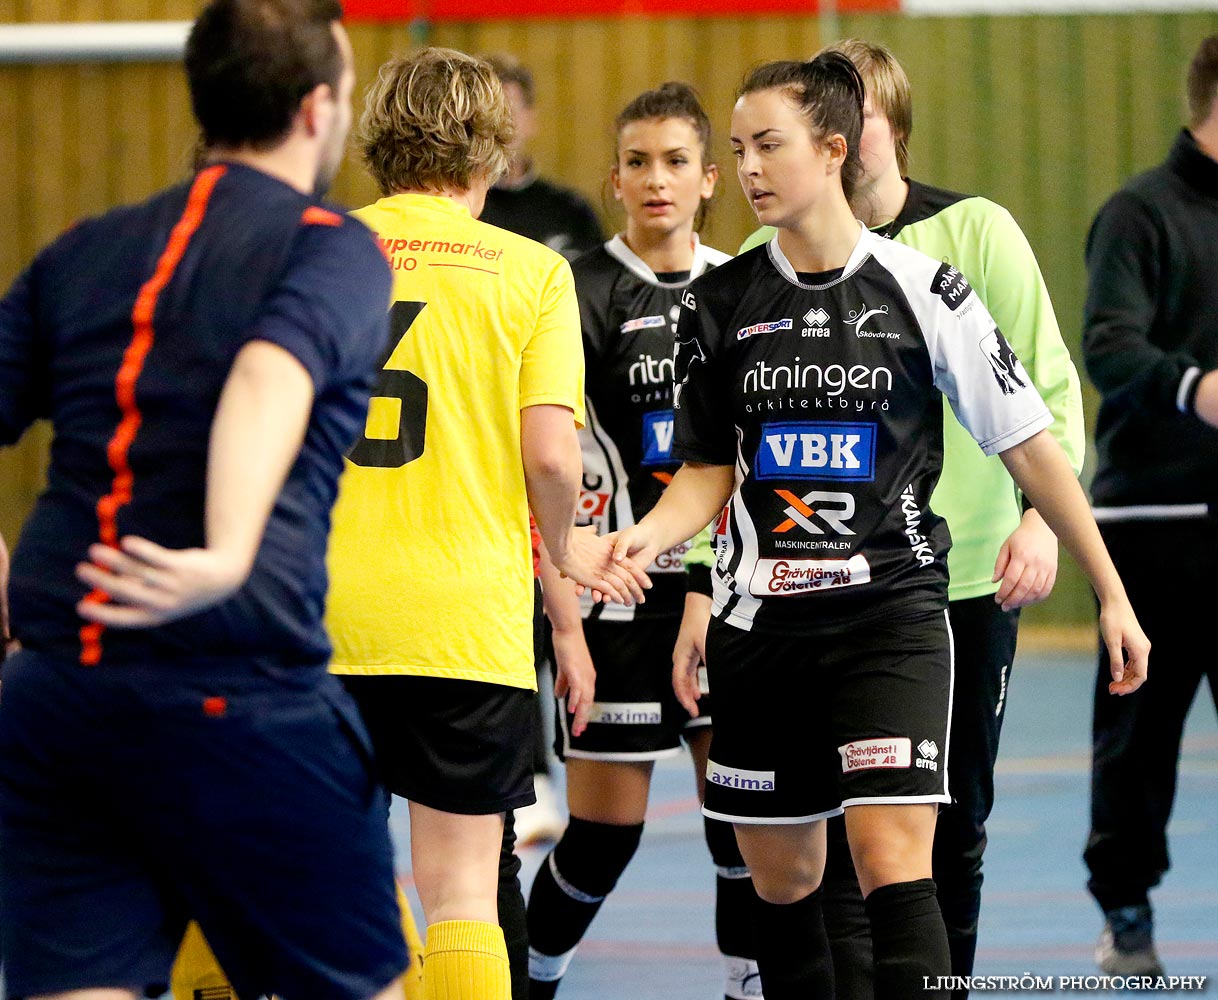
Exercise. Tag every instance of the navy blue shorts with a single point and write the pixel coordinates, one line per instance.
(133, 797)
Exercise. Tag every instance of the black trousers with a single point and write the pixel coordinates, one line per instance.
(984, 637)
(1169, 569)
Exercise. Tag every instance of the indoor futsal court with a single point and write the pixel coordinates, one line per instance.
(654, 938)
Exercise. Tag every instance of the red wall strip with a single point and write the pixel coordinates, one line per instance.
(472, 10)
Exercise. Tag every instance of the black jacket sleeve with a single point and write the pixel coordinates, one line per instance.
(1129, 273)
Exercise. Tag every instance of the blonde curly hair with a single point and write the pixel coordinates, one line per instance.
(434, 119)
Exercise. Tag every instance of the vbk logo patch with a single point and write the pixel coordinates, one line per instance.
(657, 437)
(844, 451)
(1002, 359)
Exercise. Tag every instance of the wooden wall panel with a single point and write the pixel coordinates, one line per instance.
(1046, 115)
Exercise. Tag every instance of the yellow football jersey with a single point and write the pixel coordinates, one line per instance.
(430, 560)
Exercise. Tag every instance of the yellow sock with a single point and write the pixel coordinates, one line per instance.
(466, 960)
(196, 973)
(412, 982)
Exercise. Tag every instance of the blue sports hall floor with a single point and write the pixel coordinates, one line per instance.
(654, 939)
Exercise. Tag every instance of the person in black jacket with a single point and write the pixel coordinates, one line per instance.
(1150, 343)
(524, 202)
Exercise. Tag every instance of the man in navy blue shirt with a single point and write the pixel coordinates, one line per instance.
(171, 744)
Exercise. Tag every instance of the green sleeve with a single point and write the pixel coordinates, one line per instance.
(698, 562)
(762, 235)
(1016, 296)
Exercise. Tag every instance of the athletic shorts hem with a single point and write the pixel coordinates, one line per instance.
(698, 722)
(896, 800)
(640, 755)
(485, 807)
(770, 820)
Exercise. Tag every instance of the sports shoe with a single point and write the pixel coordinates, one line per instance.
(540, 823)
(1126, 946)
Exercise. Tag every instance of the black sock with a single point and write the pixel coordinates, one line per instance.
(568, 891)
(511, 912)
(846, 919)
(793, 950)
(910, 941)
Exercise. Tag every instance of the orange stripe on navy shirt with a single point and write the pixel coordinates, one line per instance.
(314, 215)
(143, 337)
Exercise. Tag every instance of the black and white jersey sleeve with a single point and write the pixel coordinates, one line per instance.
(629, 318)
(826, 398)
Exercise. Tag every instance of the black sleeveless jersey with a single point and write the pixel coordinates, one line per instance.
(629, 325)
(826, 400)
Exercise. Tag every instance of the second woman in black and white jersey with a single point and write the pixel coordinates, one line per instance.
(629, 294)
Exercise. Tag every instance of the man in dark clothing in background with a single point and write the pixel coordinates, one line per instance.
(1150, 343)
(525, 203)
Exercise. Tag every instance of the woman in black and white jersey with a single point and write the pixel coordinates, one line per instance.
(809, 373)
(629, 294)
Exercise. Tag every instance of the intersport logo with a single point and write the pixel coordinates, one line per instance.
(773, 326)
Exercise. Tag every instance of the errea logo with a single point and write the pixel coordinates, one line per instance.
(815, 321)
(929, 751)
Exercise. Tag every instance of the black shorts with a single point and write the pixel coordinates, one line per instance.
(459, 746)
(636, 715)
(808, 725)
(135, 796)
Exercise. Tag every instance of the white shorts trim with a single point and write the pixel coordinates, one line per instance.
(895, 800)
(770, 820)
(1150, 512)
(630, 756)
(698, 722)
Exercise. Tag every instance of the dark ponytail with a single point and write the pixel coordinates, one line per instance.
(829, 93)
(673, 99)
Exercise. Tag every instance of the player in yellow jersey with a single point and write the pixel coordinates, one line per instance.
(472, 423)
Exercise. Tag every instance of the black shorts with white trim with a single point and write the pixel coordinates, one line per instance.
(636, 715)
(807, 725)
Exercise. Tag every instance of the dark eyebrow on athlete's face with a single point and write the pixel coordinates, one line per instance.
(756, 135)
(667, 152)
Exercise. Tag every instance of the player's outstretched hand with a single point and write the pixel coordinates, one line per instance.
(1027, 564)
(589, 561)
(141, 584)
(1128, 647)
(576, 677)
(690, 651)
